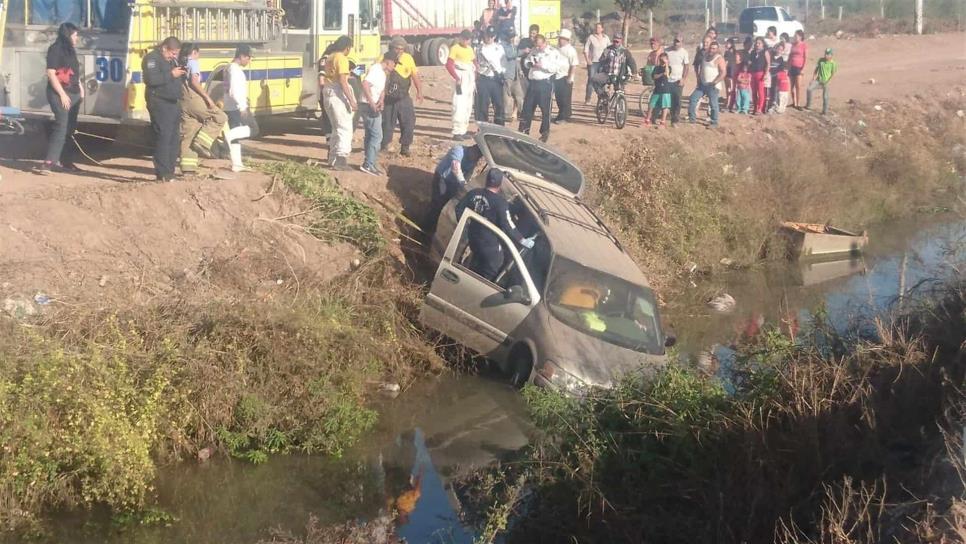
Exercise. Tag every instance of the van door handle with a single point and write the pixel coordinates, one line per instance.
(449, 275)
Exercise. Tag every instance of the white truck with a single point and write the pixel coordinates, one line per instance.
(755, 21)
(430, 25)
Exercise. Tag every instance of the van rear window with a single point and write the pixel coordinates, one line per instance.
(534, 160)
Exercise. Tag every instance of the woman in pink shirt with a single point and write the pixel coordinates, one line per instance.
(796, 63)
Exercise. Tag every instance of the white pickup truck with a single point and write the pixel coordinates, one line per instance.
(755, 21)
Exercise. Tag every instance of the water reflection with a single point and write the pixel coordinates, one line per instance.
(900, 260)
(426, 437)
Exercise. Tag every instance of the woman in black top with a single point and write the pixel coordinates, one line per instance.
(64, 93)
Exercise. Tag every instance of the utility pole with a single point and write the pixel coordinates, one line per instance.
(918, 16)
(840, 13)
(650, 23)
(724, 11)
(805, 18)
(881, 9)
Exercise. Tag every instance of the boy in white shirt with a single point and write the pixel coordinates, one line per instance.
(563, 85)
(236, 106)
(371, 104)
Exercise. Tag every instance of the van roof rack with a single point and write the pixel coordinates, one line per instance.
(549, 203)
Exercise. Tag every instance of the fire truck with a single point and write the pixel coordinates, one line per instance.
(288, 37)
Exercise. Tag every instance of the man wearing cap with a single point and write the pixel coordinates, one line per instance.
(236, 102)
(563, 83)
(824, 71)
(399, 104)
(593, 50)
(679, 63)
(489, 202)
(489, 84)
(163, 79)
(461, 66)
(543, 62)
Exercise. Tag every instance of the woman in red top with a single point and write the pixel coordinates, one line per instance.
(796, 63)
(758, 63)
(64, 93)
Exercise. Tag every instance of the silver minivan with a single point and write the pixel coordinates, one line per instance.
(574, 311)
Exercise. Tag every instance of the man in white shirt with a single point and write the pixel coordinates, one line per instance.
(680, 63)
(371, 104)
(593, 50)
(489, 82)
(543, 62)
(236, 106)
(563, 85)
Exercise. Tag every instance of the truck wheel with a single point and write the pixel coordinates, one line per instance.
(440, 49)
(521, 366)
(426, 52)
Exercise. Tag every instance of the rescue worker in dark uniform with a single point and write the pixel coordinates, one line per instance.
(163, 79)
(489, 202)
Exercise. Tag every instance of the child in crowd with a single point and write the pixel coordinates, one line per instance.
(661, 97)
(743, 88)
(784, 89)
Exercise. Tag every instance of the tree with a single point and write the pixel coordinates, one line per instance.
(631, 8)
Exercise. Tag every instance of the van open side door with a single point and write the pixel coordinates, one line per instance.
(482, 314)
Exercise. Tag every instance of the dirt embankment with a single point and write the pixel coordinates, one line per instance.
(93, 241)
(67, 234)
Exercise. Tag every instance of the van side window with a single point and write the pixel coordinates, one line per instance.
(506, 272)
(785, 15)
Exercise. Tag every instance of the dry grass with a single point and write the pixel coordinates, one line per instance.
(681, 207)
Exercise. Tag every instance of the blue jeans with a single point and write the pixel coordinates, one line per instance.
(701, 91)
(592, 69)
(372, 123)
(815, 84)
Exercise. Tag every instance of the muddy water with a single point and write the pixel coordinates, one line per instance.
(433, 434)
(425, 439)
(902, 257)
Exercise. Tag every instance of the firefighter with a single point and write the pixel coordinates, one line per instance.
(163, 79)
(201, 120)
(489, 202)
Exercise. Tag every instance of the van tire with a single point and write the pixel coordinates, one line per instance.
(521, 366)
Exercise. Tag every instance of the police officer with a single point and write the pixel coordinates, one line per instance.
(164, 79)
(489, 202)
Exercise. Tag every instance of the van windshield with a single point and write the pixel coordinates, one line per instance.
(606, 307)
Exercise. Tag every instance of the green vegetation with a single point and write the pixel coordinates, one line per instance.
(93, 400)
(337, 217)
(683, 206)
(815, 443)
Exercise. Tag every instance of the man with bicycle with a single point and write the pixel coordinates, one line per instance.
(616, 66)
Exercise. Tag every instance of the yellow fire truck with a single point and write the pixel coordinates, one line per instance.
(288, 37)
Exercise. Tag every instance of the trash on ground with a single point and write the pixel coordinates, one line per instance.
(723, 303)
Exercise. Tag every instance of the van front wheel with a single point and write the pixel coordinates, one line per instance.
(521, 366)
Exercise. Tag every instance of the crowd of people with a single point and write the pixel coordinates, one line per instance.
(761, 76)
(496, 77)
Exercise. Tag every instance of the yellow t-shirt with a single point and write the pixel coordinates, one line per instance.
(336, 65)
(462, 54)
(406, 66)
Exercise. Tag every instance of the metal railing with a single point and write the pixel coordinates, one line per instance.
(215, 23)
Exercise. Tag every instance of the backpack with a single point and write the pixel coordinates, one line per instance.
(397, 87)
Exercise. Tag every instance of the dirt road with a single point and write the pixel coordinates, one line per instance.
(66, 232)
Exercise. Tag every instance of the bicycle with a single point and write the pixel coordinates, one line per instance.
(616, 102)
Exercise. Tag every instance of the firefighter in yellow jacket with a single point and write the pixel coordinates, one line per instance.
(201, 120)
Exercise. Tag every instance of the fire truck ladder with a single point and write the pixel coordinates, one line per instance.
(218, 23)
